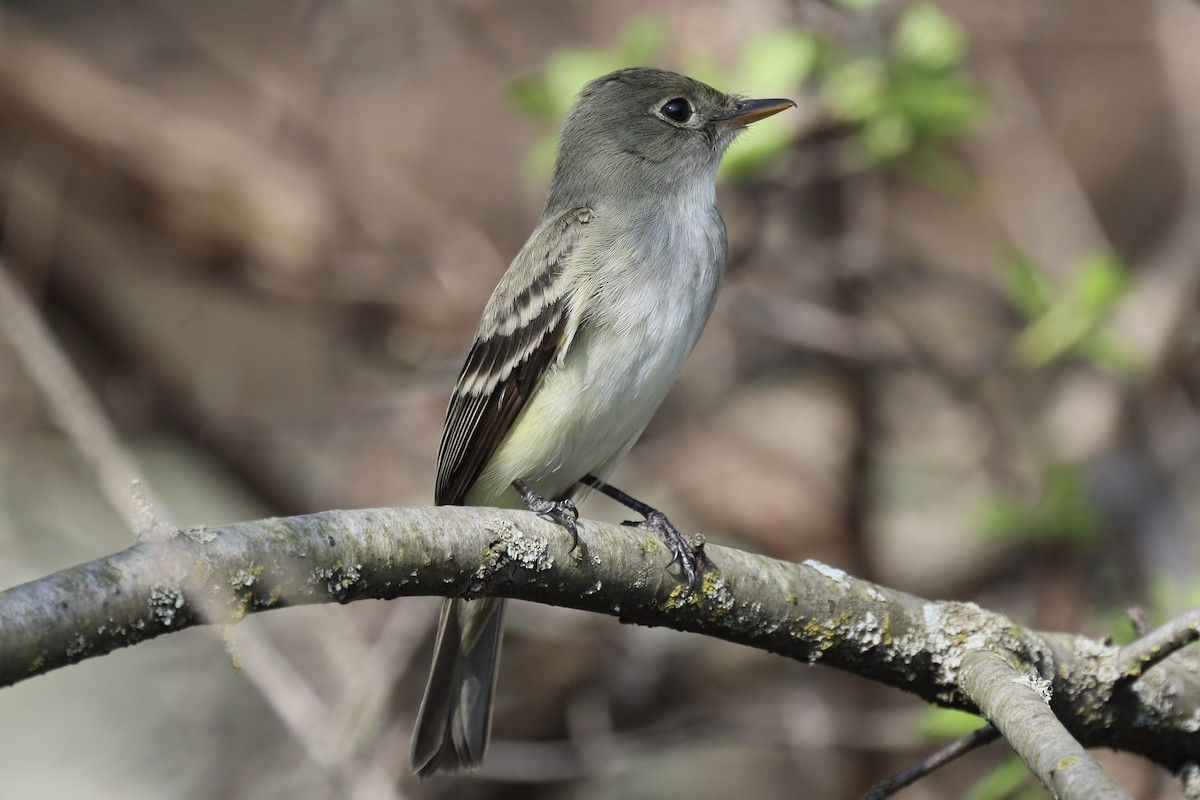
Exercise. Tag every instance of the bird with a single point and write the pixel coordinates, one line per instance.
(577, 347)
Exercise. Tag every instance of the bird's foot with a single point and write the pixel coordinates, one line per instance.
(690, 557)
(560, 512)
(682, 551)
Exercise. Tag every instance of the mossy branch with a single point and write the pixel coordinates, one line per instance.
(808, 612)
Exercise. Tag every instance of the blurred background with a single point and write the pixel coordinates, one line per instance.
(244, 245)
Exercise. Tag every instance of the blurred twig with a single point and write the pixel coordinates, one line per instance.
(203, 182)
(70, 401)
(1036, 192)
(308, 717)
(972, 741)
(89, 429)
(362, 708)
(813, 327)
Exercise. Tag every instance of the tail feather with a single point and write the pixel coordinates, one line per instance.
(455, 719)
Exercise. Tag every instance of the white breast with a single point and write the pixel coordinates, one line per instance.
(650, 299)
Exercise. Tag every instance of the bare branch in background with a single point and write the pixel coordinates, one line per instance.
(984, 735)
(68, 397)
(204, 183)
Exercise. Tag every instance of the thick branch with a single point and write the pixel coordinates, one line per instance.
(809, 612)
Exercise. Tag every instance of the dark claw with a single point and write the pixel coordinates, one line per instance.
(690, 558)
(560, 512)
(681, 552)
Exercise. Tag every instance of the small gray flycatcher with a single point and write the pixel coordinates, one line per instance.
(577, 347)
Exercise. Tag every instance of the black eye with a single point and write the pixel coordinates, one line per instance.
(678, 110)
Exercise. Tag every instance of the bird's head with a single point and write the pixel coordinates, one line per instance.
(649, 130)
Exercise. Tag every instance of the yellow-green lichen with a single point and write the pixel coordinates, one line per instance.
(235, 658)
(958, 638)
(676, 598)
(337, 579)
(715, 591)
(241, 582)
(651, 546)
(273, 597)
(204, 571)
(1066, 762)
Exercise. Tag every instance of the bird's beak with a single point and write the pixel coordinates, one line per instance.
(747, 111)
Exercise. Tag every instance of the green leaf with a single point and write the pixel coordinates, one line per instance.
(1052, 336)
(1072, 322)
(532, 96)
(703, 68)
(1066, 511)
(1172, 595)
(642, 41)
(1008, 781)
(1113, 621)
(900, 104)
(779, 61)
(567, 72)
(1062, 511)
(1026, 286)
(949, 723)
(857, 87)
(859, 5)
(752, 151)
(1101, 280)
(1001, 518)
(1108, 351)
(938, 104)
(539, 161)
(886, 136)
(927, 38)
(938, 169)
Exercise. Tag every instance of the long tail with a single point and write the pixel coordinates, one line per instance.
(455, 720)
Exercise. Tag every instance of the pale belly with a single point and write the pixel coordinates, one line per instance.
(640, 324)
(589, 410)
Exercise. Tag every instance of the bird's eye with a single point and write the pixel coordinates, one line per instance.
(677, 110)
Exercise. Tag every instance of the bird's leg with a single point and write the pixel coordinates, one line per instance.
(562, 512)
(656, 521)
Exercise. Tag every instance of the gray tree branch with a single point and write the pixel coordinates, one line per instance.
(1160, 644)
(808, 612)
(1014, 702)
